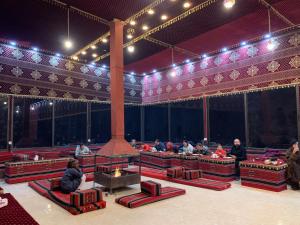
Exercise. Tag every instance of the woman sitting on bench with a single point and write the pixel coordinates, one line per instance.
(73, 178)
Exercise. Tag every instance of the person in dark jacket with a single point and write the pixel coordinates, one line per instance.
(293, 161)
(238, 151)
(159, 146)
(73, 177)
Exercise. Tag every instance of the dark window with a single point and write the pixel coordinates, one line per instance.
(132, 122)
(226, 119)
(3, 122)
(187, 121)
(70, 122)
(156, 122)
(32, 126)
(100, 123)
(272, 118)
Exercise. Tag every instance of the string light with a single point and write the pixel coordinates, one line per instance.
(35, 49)
(50, 103)
(32, 108)
(173, 65)
(93, 47)
(224, 49)
(130, 48)
(154, 71)
(129, 36)
(228, 4)
(57, 54)
(187, 61)
(5, 103)
(186, 5)
(164, 17)
(204, 55)
(270, 45)
(13, 43)
(104, 40)
(75, 57)
(243, 43)
(267, 36)
(94, 55)
(145, 27)
(83, 53)
(144, 74)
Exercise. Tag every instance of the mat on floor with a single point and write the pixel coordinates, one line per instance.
(14, 213)
(76, 202)
(201, 182)
(140, 199)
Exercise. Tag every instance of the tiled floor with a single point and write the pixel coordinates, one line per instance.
(235, 206)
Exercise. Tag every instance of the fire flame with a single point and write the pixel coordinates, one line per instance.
(117, 172)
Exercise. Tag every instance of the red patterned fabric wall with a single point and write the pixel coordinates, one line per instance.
(252, 67)
(30, 73)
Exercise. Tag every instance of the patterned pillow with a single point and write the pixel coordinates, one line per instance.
(151, 188)
(192, 174)
(175, 172)
(84, 197)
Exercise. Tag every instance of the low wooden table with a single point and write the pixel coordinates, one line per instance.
(259, 175)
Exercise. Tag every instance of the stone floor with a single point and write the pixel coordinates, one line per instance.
(236, 206)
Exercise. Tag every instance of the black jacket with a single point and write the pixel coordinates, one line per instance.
(239, 152)
(71, 180)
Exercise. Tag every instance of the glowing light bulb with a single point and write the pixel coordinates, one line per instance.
(104, 40)
(270, 45)
(151, 12)
(93, 47)
(130, 48)
(94, 55)
(75, 57)
(129, 36)
(68, 44)
(186, 5)
(164, 17)
(145, 27)
(83, 53)
(228, 4)
(132, 22)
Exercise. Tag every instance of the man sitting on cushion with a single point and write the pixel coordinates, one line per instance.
(187, 147)
(82, 150)
(159, 146)
(73, 178)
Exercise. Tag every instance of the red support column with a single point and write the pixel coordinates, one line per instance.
(117, 145)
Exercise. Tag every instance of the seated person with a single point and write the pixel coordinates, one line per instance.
(73, 178)
(159, 146)
(82, 150)
(238, 151)
(133, 143)
(220, 151)
(187, 147)
(205, 145)
(199, 149)
(169, 147)
(293, 161)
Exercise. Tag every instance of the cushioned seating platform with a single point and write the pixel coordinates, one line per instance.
(76, 202)
(140, 199)
(14, 213)
(201, 182)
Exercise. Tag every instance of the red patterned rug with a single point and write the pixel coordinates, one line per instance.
(14, 213)
(201, 182)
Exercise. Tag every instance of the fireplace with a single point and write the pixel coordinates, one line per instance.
(114, 176)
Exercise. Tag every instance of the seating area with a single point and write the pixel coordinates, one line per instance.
(76, 202)
(149, 112)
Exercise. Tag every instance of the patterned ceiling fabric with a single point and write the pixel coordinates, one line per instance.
(33, 74)
(233, 32)
(249, 68)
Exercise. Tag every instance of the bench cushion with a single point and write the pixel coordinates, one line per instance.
(192, 174)
(175, 172)
(151, 188)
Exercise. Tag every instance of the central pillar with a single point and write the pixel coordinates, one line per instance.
(117, 145)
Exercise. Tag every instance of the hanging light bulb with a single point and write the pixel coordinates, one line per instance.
(229, 3)
(151, 12)
(104, 40)
(130, 49)
(93, 47)
(129, 36)
(145, 27)
(83, 53)
(132, 22)
(164, 17)
(68, 44)
(94, 55)
(186, 5)
(75, 57)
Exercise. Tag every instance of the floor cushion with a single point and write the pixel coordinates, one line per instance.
(76, 202)
(140, 199)
(175, 172)
(151, 188)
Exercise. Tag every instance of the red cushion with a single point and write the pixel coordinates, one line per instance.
(84, 197)
(151, 188)
(192, 174)
(175, 172)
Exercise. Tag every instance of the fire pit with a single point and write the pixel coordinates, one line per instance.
(115, 177)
